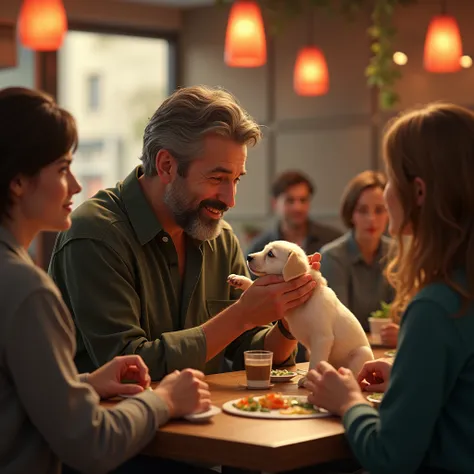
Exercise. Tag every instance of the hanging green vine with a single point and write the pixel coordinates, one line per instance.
(381, 72)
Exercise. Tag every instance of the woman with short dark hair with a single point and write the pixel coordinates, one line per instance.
(48, 413)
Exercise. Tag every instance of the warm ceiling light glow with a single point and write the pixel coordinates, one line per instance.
(245, 44)
(400, 58)
(311, 75)
(443, 46)
(42, 24)
(465, 61)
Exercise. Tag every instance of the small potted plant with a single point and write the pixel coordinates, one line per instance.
(377, 320)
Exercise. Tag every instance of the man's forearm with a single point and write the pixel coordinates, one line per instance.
(281, 346)
(222, 329)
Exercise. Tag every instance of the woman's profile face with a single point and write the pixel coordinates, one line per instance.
(47, 197)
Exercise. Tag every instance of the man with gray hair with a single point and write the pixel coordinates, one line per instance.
(143, 268)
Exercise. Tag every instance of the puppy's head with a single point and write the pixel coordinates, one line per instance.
(279, 258)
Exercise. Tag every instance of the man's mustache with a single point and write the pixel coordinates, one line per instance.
(214, 204)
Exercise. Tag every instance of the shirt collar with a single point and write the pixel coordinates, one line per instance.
(141, 215)
(8, 240)
(313, 232)
(354, 251)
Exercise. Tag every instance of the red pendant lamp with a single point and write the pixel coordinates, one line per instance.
(245, 44)
(311, 77)
(443, 46)
(42, 24)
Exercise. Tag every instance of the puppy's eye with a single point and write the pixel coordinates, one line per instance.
(270, 254)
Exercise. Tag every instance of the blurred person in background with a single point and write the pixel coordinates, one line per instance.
(353, 264)
(292, 192)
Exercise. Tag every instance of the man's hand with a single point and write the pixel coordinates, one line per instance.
(107, 380)
(314, 260)
(270, 297)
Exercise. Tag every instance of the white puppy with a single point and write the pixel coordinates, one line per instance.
(323, 324)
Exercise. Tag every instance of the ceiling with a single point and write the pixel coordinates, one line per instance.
(176, 3)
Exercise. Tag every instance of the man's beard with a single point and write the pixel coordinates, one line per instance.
(189, 218)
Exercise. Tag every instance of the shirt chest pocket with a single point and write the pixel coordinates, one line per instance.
(216, 306)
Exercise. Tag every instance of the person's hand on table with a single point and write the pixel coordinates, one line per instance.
(333, 390)
(107, 380)
(374, 375)
(185, 392)
(389, 334)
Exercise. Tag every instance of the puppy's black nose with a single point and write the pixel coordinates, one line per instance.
(249, 258)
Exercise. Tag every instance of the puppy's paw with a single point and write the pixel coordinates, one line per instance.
(239, 281)
(234, 281)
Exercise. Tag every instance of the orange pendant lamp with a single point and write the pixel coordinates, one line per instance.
(245, 44)
(311, 77)
(42, 24)
(443, 46)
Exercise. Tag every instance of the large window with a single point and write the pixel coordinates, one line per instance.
(23, 74)
(93, 85)
(112, 84)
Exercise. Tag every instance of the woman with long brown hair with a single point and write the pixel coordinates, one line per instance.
(426, 418)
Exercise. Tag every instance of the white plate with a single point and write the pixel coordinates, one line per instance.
(390, 353)
(203, 416)
(126, 395)
(376, 401)
(283, 378)
(228, 407)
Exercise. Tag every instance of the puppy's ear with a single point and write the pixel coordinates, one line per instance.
(294, 267)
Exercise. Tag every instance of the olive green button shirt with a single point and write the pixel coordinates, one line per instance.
(118, 272)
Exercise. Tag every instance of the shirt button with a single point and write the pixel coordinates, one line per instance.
(165, 239)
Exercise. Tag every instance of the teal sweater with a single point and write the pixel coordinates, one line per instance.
(426, 419)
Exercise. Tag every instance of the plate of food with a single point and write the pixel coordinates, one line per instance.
(281, 375)
(375, 398)
(275, 406)
(390, 353)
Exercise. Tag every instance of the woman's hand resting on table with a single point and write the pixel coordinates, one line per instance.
(375, 375)
(107, 380)
(185, 392)
(389, 334)
(333, 390)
